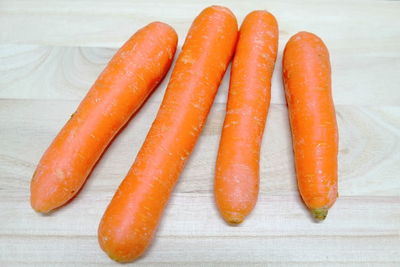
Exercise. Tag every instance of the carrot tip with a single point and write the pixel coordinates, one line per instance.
(39, 211)
(37, 207)
(234, 218)
(319, 214)
(42, 211)
(119, 260)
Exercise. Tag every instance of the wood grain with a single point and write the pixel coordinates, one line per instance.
(368, 162)
(52, 51)
(191, 220)
(43, 72)
(355, 23)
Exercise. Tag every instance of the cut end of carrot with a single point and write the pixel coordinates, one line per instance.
(305, 35)
(221, 8)
(234, 218)
(121, 260)
(164, 25)
(260, 12)
(319, 214)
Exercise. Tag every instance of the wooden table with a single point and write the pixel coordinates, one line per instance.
(52, 51)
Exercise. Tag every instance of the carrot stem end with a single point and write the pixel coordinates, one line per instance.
(319, 214)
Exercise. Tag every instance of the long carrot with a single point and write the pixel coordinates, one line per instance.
(131, 75)
(307, 79)
(237, 168)
(130, 221)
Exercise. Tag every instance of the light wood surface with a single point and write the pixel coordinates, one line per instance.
(52, 51)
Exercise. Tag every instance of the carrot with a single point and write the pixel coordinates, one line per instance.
(131, 219)
(237, 169)
(307, 80)
(131, 75)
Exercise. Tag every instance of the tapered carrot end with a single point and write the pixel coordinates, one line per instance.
(38, 202)
(121, 260)
(37, 208)
(319, 214)
(234, 218)
(40, 206)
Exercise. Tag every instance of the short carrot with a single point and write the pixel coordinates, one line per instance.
(131, 75)
(237, 169)
(307, 80)
(131, 219)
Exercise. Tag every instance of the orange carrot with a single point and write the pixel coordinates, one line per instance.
(131, 75)
(130, 221)
(237, 168)
(307, 79)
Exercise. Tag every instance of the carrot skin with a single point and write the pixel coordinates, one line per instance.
(237, 168)
(307, 81)
(131, 75)
(130, 221)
